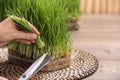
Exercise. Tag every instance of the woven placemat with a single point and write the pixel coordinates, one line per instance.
(82, 65)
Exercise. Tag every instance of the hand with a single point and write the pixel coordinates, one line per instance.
(1, 78)
(9, 32)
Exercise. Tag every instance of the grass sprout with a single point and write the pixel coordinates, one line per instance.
(50, 18)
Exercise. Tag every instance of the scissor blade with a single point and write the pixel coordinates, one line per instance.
(44, 63)
(31, 70)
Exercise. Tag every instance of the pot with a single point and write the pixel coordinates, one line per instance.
(51, 66)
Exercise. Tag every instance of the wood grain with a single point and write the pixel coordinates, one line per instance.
(117, 7)
(103, 6)
(100, 6)
(96, 6)
(82, 6)
(89, 8)
(100, 36)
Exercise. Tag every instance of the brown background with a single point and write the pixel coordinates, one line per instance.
(100, 6)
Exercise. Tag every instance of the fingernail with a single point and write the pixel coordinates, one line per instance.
(29, 43)
(34, 36)
(33, 41)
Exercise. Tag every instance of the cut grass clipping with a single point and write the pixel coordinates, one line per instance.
(23, 24)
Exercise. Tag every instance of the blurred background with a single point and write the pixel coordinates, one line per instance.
(100, 6)
(99, 34)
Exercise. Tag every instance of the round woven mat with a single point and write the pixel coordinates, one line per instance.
(82, 65)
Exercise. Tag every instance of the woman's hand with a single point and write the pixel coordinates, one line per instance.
(9, 32)
(1, 78)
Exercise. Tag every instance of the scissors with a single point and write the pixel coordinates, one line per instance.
(35, 67)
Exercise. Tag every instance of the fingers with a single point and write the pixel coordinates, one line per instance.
(18, 35)
(25, 41)
(34, 29)
(21, 35)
